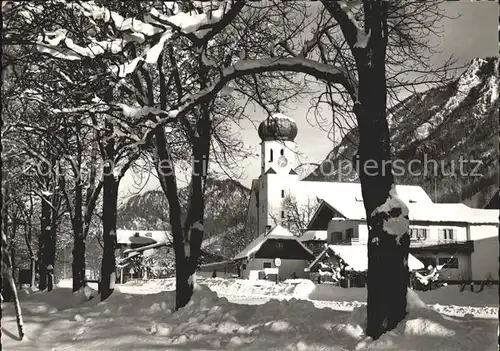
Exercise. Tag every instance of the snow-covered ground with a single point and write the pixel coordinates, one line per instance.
(447, 300)
(267, 316)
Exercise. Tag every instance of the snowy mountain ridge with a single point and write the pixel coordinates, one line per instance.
(444, 123)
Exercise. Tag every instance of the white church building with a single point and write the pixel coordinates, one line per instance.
(439, 231)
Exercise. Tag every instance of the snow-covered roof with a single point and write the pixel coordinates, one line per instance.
(420, 206)
(346, 198)
(356, 257)
(278, 232)
(126, 237)
(455, 212)
(341, 192)
(216, 265)
(314, 235)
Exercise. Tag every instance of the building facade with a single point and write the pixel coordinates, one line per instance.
(461, 241)
(276, 253)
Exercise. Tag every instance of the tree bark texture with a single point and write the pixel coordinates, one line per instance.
(43, 243)
(388, 274)
(78, 264)
(109, 210)
(166, 175)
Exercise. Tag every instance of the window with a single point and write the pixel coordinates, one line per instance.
(448, 262)
(336, 236)
(422, 234)
(418, 233)
(412, 233)
(271, 155)
(282, 152)
(348, 233)
(446, 234)
(267, 265)
(282, 214)
(244, 266)
(282, 194)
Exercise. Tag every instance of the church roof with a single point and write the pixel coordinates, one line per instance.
(278, 127)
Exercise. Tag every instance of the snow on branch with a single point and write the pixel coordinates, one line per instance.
(91, 10)
(394, 215)
(182, 21)
(241, 68)
(361, 36)
(353, 30)
(58, 45)
(189, 23)
(93, 108)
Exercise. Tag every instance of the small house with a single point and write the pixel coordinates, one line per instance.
(276, 253)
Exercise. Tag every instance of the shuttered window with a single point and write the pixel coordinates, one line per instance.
(446, 234)
(418, 233)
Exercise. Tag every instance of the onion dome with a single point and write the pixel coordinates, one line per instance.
(278, 127)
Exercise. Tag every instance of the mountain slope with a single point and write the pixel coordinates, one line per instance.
(226, 203)
(438, 129)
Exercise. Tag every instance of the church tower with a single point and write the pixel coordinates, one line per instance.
(278, 178)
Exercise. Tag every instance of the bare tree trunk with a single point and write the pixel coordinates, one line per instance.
(27, 238)
(33, 271)
(387, 252)
(7, 279)
(193, 226)
(43, 243)
(166, 175)
(78, 264)
(6, 268)
(12, 247)
(109, 205)
(51, 249)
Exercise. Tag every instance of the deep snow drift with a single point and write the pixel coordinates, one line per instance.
(61, 321)
(447, 300)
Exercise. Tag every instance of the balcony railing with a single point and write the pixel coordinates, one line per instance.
(430, 242)
(345, 241)
(465, 246)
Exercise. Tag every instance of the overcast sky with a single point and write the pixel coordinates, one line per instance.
(473, 34)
